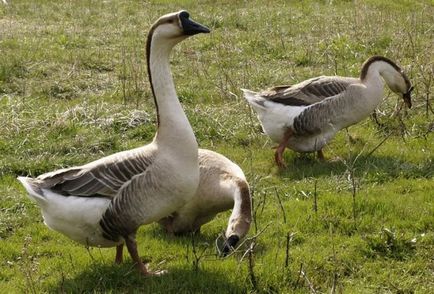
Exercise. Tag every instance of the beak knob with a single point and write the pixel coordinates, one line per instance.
(191, 27)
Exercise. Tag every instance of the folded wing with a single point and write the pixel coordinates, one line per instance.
(308, 92)
(99, 178)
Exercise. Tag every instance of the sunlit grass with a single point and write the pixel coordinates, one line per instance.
(73, 88)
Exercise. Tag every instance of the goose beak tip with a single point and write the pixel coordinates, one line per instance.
(230, 243)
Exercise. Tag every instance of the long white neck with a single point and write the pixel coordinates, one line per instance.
(173, 126)
(373, 79)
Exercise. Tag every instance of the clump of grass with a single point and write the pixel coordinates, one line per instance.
(390, 244)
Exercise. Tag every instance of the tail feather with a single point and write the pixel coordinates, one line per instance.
(35, 192)
(254, 99)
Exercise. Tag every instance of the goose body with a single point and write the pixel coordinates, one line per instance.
(104, 202)
(222, 186)
(306, 116)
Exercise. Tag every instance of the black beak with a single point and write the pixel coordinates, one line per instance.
(407, 97)
(230, 244)
(191, 27)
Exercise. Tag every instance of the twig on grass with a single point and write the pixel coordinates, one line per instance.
(280, 205)
(335, 279)
(27, 267)
(197, 257)
(379, 145)
(124, 76)
(309, 283)
(62, 283)
(251, 264)
(427, 80)
(353, 193)
(259, 208)
(315, 197)
(298, 276)
(89, 251)
(335, 274)
(289, 238)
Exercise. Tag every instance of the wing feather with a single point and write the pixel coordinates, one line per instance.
(308, 92)
(316, 118)
(103, 177)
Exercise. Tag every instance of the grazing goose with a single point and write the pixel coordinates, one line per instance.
(104, 202)
(306, 116)
(222, 185)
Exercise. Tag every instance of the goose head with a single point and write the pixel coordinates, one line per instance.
(393, 75)
(241, 218)
(399, 83)
(237, 229)
(172, 28)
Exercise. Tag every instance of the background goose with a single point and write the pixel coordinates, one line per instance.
(305, 116)
(222, 186)
(103, 203)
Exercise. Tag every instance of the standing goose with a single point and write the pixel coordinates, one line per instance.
(306, 116)
(104, 202)
(222, 185)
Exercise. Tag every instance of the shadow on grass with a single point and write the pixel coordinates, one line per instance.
(101, 276)
(202, 236)
(125, 279)
(378, 168)
(205, 241)
(300, 166)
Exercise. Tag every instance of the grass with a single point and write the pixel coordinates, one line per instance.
(73, 88)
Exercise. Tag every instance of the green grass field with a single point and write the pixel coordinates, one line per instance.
(73, 88)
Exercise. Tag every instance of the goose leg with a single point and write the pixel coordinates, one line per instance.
(320, 155)
(119, 257)
(166, 223)
(278, 155)
(142, 268)
(132, 249)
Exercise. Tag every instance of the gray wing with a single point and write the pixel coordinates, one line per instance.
(103, 177)
(308, 92)
(316, 118)
(127, 211)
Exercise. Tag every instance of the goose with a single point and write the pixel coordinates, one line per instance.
(306, 116)
(104, 202)
(222, 185)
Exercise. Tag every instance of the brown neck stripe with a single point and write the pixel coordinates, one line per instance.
(371, 60)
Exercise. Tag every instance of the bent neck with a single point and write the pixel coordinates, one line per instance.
(172, 122)
(378, 67)
(372, 74)
(241, 217)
